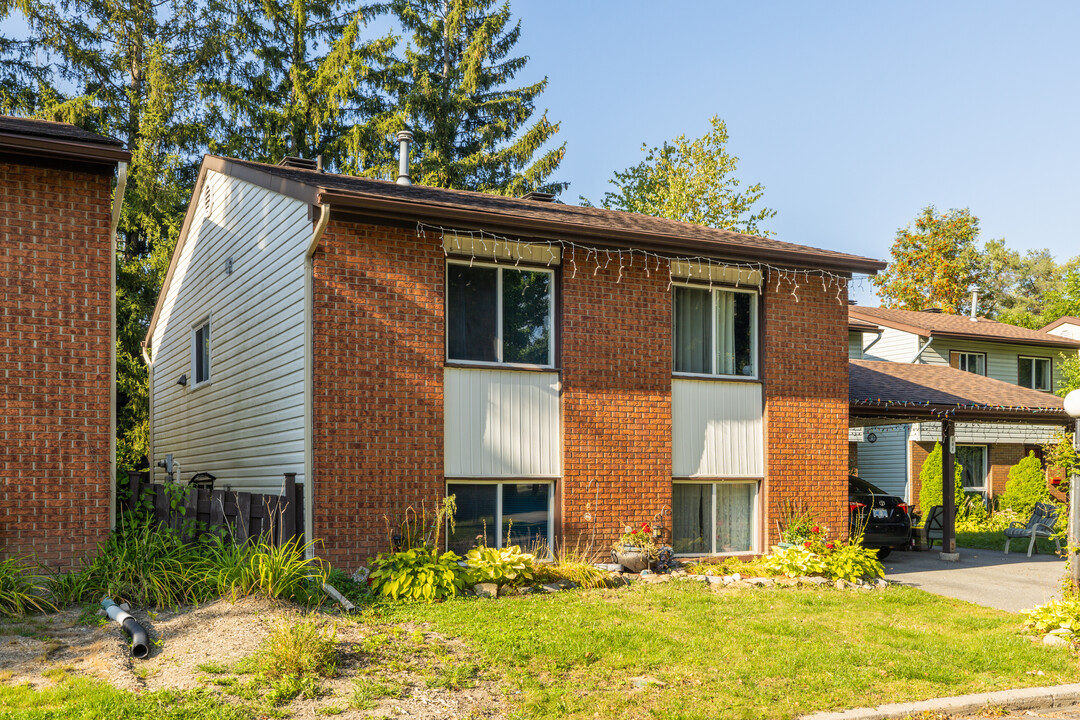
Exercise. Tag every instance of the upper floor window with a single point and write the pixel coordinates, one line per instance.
(200, 352)
(499, 314)
(972, 362)
(1034, 373)
(715, 331)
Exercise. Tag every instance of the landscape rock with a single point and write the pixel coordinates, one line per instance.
(550, 587)
(1054, 640)
(714, 579)
(486, 590)
(840, 584)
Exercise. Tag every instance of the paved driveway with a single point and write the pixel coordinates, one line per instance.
(1010, 582)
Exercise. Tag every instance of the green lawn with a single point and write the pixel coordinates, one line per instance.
(83, 699)
(742, 653)
(995, 540)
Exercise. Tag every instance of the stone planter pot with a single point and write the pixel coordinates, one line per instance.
(631, 558)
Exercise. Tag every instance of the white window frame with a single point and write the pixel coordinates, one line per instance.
(499, 539)
(713, 324)
(1049, 372)
(206, 322)
(755, 515)
(501, 267)
(984, 488)
(962, 356)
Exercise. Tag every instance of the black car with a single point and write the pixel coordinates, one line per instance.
(885, 518)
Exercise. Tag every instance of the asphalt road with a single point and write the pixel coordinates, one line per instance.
(1010, 582)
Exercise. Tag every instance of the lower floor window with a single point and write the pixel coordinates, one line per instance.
(972, 460)
(497, 514)
(712, 518)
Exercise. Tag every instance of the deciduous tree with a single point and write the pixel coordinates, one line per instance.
(933, 263)
(693, 181)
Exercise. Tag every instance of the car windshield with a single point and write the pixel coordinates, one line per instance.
(857, 484)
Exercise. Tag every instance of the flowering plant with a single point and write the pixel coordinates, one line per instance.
(640, 536)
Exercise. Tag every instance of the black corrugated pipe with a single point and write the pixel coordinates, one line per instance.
(140, 645)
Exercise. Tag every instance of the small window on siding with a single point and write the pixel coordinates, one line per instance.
(200, 352)
(1034, 373)
(972, 362)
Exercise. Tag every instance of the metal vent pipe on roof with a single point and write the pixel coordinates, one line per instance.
(404, 137)
(974, 304)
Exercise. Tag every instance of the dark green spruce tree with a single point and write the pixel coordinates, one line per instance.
(471, 130)
(300, 78)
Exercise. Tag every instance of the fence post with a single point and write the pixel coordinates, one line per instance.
(288, 515)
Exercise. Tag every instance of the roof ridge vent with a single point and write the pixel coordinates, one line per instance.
(539, 196)
(936, 311)
(291, 161)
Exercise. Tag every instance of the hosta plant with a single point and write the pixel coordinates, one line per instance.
(418, 574)
(508, 566)
(1057, 617)
(851, 562)
(795, 561)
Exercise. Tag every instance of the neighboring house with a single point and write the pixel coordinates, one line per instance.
(892, 456)
(1067, 326)
(58, 214)
(561, 370)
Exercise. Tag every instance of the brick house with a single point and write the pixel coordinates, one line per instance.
(58, 214)
(561, 370)
(1017, 357)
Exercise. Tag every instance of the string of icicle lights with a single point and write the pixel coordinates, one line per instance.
(584, 258)
(945, 413)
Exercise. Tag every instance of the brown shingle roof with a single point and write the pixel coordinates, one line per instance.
(877, 388)
(30, 141)
(930, 324)
(861, 325)
(546, 218)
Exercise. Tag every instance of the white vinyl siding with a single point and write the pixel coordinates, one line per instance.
(716, 429)
(894, 345)
(501, 423)
(884, 461)
(243, 263)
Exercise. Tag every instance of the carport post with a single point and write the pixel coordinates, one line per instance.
(1072, 409)
(948, 489)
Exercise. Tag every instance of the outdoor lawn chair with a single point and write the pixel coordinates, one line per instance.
(1041, 525)
(933, 528)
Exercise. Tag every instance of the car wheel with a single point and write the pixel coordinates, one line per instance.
(883, 553)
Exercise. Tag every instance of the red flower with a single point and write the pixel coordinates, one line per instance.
(806, 544)
(829, 545)
(633, 532)
(815, 529)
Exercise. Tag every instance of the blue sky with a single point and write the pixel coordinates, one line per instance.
(854, 115)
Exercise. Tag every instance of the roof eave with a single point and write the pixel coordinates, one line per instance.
(936, 413)
(63, 149)
(391, 209)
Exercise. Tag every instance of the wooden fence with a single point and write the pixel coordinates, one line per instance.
(243, 515)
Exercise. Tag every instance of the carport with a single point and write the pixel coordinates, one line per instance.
(890, 393)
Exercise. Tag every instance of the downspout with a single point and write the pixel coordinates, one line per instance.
(922, 350)
(118, 201)
(872, 343)
(309, 377)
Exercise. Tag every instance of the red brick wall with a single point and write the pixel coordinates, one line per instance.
(806, 401)
(917, 454)
(1002, 456)
(55, 257)
(616, 403)
(378, 373)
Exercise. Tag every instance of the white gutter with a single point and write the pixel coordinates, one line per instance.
(309, 376)
(118, 201)
(150, 414)
(922, 350)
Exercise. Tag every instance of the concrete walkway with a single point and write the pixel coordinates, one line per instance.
(1012, 582)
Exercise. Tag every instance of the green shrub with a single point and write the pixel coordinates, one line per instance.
(797, 561)
(418, 574)
(22, 588)
(851, 562)
(508, 566)
(273, 571)
(143, 564)
(930, 482)
(1057, 617)
(1025, 487)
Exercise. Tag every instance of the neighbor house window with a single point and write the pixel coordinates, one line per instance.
(200, 352)
(713, 518)
(715, 331)
(1034, 373)
(971, 362)
(972, 460)
(499, 315)
(498, 514)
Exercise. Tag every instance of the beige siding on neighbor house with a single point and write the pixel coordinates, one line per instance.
(894, 345)
(1001, 358)
(246, 425)
(855, 345)
(501, 423)
(716, 429)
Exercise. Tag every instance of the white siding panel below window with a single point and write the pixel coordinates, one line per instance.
(501, 423)
(716, 429)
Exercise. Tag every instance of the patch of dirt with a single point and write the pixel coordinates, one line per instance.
(383, 670)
